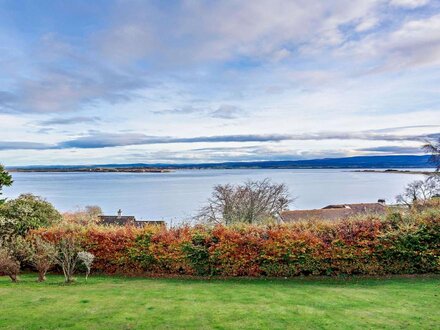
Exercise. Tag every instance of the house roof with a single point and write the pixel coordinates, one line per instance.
(360, 207)
(334, 212)
(117, 220)
(124, 220)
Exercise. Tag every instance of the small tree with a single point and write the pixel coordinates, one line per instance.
(5, 180)
(251, 202)
(40, 253)
(84, 217)
(9, 265)
(434, 149)
(87, 259)
(29, 212)
(419, 192)
(67, 256)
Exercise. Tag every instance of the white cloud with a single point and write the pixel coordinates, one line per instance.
(409, 3)
(415, 43)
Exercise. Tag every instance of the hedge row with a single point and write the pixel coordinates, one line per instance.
(369, 246)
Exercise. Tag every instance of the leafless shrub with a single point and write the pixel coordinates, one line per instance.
(252, 202)
(87, 259)
(434, 149)
(67, 256)
(9, 265)
(84, 217)
(420, 192)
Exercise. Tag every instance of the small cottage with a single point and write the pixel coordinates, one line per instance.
(127, 220)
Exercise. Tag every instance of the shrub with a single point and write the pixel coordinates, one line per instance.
(67, 256)
(9, 265)
(40, 253)
(28, 212)
(87, 259)
(398, 244)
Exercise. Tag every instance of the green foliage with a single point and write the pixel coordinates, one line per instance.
(5, 180)
(27, 212)
(139, 252)
(197, 253)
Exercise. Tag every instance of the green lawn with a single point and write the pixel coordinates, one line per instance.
(140, 303)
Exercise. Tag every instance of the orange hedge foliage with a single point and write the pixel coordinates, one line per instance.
(368, 246)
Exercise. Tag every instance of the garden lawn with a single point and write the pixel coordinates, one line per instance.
(142, 303)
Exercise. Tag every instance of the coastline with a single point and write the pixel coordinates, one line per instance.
(396, 171)
(93, 170)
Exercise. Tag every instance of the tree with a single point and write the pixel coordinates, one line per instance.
(29, 212)
(252, 202)
(5, 181)
(434, 149)
(40, 253)
(84, 217)
(67, 256)
(420, 192)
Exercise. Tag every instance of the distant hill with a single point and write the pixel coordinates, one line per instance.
(383, 162)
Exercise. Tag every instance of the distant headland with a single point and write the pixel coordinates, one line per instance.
(366, 163)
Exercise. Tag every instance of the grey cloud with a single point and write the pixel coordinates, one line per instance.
(181, 111)
(17, 145)
(392, 129)
(70, 120)
(394, 150)
(105, 140)
(96, 139)
(68, 78)
(224, 111)
(227, 112)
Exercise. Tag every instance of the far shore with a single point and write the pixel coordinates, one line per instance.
(95, 170)
(398, 171)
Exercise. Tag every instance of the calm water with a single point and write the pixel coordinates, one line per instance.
(178, 195)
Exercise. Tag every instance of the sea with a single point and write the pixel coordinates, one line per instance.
(177, 196)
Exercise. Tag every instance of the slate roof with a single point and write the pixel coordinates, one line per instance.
(334, 212)
(125, 220)
(117, 220)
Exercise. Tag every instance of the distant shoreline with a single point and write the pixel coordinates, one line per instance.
(404, 162)
(169, 170)
(396, 171)
(92, 170)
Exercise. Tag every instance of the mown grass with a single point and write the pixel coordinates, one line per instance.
(142, 303)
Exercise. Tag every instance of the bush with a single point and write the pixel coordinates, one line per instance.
(87, 259)
(27, 212)
(39, 253)
(9, 265)
(408, 243)
(67, 256)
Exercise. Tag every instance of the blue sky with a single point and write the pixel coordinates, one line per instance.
(86, 82)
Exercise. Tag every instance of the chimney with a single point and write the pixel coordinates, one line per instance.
(381, 201)
(119, 213)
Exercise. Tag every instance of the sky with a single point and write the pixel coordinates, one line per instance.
(95, 82)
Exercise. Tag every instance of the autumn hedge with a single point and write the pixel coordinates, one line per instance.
(369, 246)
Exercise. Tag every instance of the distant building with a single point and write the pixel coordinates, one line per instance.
(335, 212)
(126, 220)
